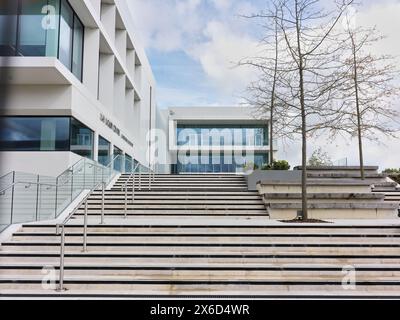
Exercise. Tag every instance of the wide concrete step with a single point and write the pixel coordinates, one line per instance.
(146, 192)
(210, 287)
(323, 196)
(229, 241)
(357, 169)
(177, 206)
(213, 234)
(346, 175)
(154, 292)
(52, 258)
(182, 197)
(184, 212)
(189, 188)
(212, 274)
(301, 230)
(175, 202)
(336, 206)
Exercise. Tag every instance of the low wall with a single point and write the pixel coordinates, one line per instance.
(272, 175)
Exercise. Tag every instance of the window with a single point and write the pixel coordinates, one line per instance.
(34, 134)
(8, 21)
(42, 28)
(104, 151)
(81, 139)
(218, 135)
(66, 33)
(128, 163)
(77, 51)
(118, 159)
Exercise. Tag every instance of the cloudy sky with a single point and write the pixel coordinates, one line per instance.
(193, 46)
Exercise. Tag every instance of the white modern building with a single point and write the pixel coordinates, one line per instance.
(211, 139)
(77, 84)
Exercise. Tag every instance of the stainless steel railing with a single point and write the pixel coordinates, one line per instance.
(125, 187)
(60, 228)
(85, 228)
(85, 224)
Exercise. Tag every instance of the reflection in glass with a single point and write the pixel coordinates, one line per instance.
(77, 49)
(8, 21)
(81, 139)
(128, 163)
(66, 27)
(104, 151)
(34, 28)
(223, 135)
(118, 160)
(34, 134)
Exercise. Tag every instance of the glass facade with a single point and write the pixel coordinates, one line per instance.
(128, 163)
(104, 151)
(42, 28)
(34, 134)
(45, 134)
(118, 162)
(81, 139)
(214, 162)
(222, 135)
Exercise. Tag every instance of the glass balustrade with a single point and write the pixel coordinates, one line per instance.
(27, 197)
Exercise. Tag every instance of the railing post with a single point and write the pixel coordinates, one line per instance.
(140, 179)
(56, 200)
(37, 198)
(126, 200)
(85, 227)
(84, 173)
(102, 202)
(12, 199)
(150, 174)
(133, 186)
(62, 253)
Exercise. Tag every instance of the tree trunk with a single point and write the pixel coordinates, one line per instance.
(271, 142)
(359, 129)
(271, 135)
(304, 202)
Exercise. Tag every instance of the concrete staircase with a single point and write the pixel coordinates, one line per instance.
(333, 193)
(182, 196)
(201, 236)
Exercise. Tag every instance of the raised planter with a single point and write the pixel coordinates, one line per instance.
(271, 175)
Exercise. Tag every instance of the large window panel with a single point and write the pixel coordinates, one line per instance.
(34, 134)
(52, 23)
(8, 27)
(118, 159)
(77, 56)
(66, 34)
(104, 151)
(32, 35)
(81, 139)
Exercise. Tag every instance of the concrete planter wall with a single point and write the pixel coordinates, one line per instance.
(271, 175)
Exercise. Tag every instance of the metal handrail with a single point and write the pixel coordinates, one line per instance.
(84, 202)
(5, 175)
(28, 184)
(61, 226)
(125, 186)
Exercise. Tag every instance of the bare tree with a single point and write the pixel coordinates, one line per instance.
(262, 92)
(305, 86)
(368, 87)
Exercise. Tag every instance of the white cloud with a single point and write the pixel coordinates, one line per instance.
(218, 39)
(222, 4)
(220, 54)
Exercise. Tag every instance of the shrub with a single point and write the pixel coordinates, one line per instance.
(276, 165)
(394, 174)
(319, 158)
(250, 166)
